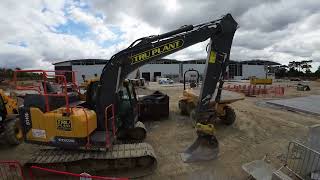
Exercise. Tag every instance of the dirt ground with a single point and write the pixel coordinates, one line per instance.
(259, 130)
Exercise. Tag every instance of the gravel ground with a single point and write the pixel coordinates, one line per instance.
(259, 130)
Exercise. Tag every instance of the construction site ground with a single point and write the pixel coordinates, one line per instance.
(260, 130)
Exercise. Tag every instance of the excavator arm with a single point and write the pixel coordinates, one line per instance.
(147, 49)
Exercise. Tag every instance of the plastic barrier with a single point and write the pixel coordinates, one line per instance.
(11, 170)
(253, 90)
(67, 175)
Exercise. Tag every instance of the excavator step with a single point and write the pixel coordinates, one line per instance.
(131, 160)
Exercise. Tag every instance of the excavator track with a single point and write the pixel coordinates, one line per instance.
(125, 160)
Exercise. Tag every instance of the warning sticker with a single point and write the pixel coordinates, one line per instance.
(212, 58)
(38, 133)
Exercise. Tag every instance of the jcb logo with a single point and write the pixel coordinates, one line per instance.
(64, 124)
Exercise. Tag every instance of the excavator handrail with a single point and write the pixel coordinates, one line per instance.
(184, 77)
(108, 142)
(61, 78)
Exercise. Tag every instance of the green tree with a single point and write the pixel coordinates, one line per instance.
(280, 71)
(296, 65)
(293, 72)
(292, 65)
(306, 65)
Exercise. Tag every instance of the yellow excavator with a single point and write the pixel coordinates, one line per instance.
(10, 129)
(85, 84)
(103, 133)
(189, 100)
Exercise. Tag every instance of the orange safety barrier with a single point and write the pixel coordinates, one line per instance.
(61, 174)
(11, 170)
(253, 90)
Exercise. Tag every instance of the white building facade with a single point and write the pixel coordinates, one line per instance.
(165, 68)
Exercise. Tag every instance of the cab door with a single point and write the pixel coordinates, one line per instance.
(3, 110)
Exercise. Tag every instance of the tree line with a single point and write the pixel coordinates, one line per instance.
(7, 73)
(295, 69)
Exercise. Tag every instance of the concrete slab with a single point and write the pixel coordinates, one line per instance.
(259, 170)
(313, 137)
(309, 104)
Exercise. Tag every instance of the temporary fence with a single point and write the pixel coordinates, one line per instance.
(303, 161)
(253, 90)
(66, 175)
(11, 170)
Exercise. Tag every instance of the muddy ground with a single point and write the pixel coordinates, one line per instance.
(260, 130)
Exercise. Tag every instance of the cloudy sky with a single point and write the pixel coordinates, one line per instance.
(36, 33)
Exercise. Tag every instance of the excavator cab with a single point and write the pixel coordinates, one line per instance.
(10, 129)
(126, 104)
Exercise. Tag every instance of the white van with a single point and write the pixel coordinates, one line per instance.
(165, 81)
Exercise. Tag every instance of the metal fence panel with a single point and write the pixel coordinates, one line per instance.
(302, 160)
(11, 170)
(63, 175)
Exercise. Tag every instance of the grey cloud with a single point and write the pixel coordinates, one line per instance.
(274, 16)
(254, 39)
(190, 11)
(13, 60)
(263, 24)
(297, 52)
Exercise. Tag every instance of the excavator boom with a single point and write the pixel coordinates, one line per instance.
(144, 50)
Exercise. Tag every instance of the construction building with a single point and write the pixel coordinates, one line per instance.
(167, 68)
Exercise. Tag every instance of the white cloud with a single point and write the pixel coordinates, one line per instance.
(35, 26)
(171, 5)
(134, 28)
(97, 25)
(273, 30)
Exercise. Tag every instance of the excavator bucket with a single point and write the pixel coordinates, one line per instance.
(205, 148)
